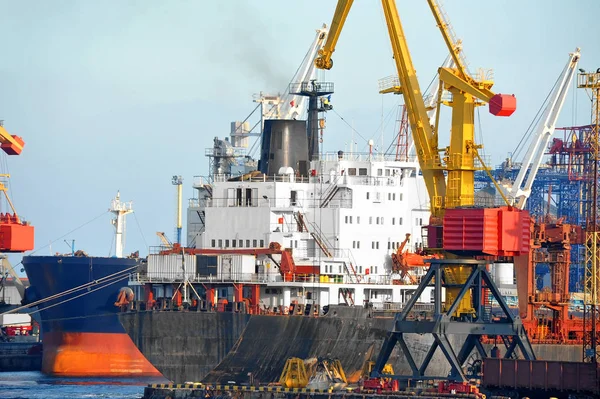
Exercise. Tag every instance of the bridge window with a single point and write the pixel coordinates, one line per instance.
(212, 243)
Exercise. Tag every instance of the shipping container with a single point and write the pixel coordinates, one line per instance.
(170, 267)
(15, 319)
(236, 267)
(540, 375)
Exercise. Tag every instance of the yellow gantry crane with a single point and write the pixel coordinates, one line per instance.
(467, 92)
(458, 159)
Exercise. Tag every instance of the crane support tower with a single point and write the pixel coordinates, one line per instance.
(442, 323)
(178, 181)
(591, 81)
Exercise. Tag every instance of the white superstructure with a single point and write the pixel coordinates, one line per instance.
(342, 223)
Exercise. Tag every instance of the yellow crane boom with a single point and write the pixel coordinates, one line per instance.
(423, 135)
(467, 92)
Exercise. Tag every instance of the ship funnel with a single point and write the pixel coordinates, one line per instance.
(284, 145)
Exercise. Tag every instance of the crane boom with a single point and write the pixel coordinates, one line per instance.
(544, 132)
(423, 135)
(453, 45)
(292, 105)
(324, 61)
(459, 157)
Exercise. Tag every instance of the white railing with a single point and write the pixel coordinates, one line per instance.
(220, 178)
(362, 157)
(254, 278)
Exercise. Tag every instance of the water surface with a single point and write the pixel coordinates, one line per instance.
(35, 385)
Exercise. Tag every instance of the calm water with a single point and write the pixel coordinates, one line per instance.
(35, 385)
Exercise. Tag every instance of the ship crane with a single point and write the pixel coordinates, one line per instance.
(467, 283)
(517, 192)
(290, 105)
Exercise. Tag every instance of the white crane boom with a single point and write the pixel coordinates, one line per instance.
(293, 106)
(542, 136)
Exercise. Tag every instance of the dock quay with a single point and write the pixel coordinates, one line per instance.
(197, 390)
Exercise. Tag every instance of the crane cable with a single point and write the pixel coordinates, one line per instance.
(116, 279)
(113, 280)
(114, 276)
(529, 132)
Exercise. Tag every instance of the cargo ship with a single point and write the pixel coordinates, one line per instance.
(312, 256)
(283, 264)
(77, 296)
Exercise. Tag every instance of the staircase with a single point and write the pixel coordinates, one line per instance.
(299, 217)
(316, 233)
(320, 239)
(321, 245)
(354, 278)
(347, 295)
(329, 194)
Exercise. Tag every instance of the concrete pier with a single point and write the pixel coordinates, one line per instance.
(185, 391)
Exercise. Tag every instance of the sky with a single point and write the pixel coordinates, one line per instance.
(122, 95)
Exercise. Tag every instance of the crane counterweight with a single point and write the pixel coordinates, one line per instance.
(503, 105)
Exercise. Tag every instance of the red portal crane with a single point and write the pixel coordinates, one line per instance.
(15, 235)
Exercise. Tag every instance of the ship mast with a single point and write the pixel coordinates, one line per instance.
(120, 209)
